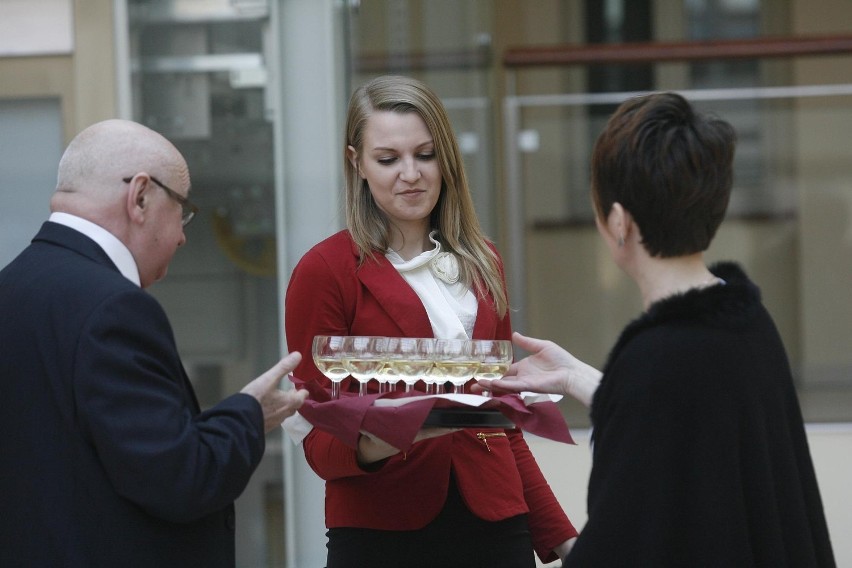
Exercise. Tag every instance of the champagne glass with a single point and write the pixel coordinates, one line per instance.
(433, 379)
(327, 352)
(410, 359)
(364, 357)
(455, 362)
(386, 378)
(494, 356)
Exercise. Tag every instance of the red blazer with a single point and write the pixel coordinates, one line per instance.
(330, 294)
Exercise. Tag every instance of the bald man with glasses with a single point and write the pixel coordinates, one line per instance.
(106, 458)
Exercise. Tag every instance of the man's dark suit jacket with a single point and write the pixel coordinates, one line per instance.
(105, 457)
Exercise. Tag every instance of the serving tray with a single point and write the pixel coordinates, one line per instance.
(456, 417)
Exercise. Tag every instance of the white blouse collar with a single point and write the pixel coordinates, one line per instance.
(443, 265)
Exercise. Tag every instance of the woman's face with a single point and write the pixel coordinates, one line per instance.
(399, 164)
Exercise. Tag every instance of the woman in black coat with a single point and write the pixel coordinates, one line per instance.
(700, 453)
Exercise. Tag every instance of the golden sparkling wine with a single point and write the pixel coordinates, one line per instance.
(491, 371)
(455, 369)
(331, 367)
(409, 368)
(386, 372)
(363, 369)
(390, 360)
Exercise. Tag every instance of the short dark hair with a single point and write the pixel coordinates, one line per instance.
(670, 167)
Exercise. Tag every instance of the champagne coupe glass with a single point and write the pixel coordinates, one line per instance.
(494, 356)
(364, 357)
(327, 351)
(433, 379)
(387, 376)
(454, 360)
(410, 359)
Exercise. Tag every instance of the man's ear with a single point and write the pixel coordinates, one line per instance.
(138, 198)
(352, 156)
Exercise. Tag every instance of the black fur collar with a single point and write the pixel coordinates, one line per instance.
(728, 306)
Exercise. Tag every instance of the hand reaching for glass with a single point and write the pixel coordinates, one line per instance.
(276, 404)
(548, 369)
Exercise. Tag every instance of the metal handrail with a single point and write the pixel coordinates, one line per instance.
(478, 58)
(661, 52)
(573, 55)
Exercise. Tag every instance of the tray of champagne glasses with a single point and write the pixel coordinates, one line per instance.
(392, 387)
(393, 363)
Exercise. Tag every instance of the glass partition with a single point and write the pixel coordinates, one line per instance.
(788, 223)
(199, 75)
(447, 45)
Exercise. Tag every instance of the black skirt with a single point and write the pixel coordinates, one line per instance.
(455, 538)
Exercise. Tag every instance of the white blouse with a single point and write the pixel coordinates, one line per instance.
(434, 275)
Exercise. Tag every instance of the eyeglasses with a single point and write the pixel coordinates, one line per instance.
(188, 208)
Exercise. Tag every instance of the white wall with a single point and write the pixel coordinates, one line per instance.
(567, 470)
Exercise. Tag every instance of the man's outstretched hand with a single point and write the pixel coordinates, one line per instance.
(277, 404)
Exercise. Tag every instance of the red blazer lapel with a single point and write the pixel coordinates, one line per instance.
(401, 303)
(403, 306)
(486, 318)
(395, 296)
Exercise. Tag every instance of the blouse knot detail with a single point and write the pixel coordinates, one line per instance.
(445, 267)
(434, 277)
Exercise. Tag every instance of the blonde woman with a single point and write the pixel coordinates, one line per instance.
(413, 262)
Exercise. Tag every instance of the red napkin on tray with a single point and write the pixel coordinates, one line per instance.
(346, 417)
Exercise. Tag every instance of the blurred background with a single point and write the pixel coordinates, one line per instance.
(253, 92)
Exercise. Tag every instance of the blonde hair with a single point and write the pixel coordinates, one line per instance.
(453, 217)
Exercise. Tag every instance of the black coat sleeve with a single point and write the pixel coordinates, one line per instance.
(136, 406)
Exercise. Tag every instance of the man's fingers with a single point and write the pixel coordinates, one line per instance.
(270, 380)
(296, 398)
(286, 365)
(280, 405)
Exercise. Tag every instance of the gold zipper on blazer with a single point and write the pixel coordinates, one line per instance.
(484, 437)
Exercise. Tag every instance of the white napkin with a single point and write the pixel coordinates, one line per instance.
(297, 427)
